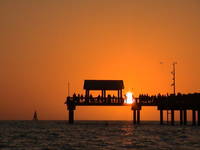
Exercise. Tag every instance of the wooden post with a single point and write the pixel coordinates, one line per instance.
(86, 93)
(172, 117)
(71, 116)
(118, 95)
(193, 117)
(138, 116)
(185, 116)
(134, 116)
(161, 116)
(105, 100)
(181, 117)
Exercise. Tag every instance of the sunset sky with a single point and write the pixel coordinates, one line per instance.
(46, 43)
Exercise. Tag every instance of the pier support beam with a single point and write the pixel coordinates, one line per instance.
(167, 116)
(118, 95)
(138, 116)
(185, 117)
(172, 117)
(87, 93)
(193, 117)
(161, 116)
(181, 117)
(134, 116)
(198, 117)
(71, 116)
(71, 107)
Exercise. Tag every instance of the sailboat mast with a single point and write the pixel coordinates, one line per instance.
(68, 88)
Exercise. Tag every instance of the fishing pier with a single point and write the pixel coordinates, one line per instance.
(168, 103)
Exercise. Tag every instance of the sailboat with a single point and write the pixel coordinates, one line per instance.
(35, 118)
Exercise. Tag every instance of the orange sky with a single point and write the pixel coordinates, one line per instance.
(45, 44)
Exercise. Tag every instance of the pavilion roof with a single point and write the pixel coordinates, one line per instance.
(103, 84)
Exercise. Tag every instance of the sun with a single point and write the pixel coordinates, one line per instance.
(129, 98)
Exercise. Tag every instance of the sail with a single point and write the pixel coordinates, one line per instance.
(35, 116)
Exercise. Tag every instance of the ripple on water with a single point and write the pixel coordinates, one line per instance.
(52, 135)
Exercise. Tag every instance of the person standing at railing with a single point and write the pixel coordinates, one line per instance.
(91, 100)
(113, 98)
(98, 98)
(78, 98)
(74, 97)
(67, 100)
(81, 97)
(109, 98)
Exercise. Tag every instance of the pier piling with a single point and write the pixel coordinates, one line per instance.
(198, 117)
(172, 117)
(193, 117)
(181, 117)
(185, 117)
(134, 116)
(161, 116)
(71, 116)
(138, 116)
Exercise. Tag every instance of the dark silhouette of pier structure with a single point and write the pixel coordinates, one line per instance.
(172, 103)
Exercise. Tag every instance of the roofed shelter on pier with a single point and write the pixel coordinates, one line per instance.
(103, 85)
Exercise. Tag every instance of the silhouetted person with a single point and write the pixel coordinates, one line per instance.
(81, 97)
(113, 98)
(74, 97)
(109, 99)
(91, 98)
(102, 99)
(78, 98)
(86, 99)
(67, 100)
(98, 98)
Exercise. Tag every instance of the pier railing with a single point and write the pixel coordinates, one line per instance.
(189, 101)
(82, 101)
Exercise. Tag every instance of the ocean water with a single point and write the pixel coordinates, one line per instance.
(96, 135)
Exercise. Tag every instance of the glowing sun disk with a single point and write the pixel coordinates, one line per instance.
(129, 98)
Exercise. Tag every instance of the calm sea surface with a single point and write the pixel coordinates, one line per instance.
(109, 135)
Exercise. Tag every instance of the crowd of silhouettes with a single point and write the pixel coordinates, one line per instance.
(178, 99)
(80, 99)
